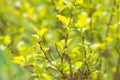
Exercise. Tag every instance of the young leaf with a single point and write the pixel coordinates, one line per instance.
(41, 31)
(69, 41)
(78, 64)
(47, 77)
(79, 1)
(82, 20)
(63, 19)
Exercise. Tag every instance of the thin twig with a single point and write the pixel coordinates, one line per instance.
(66, 46)
(91, 25)
(56, 46)
(50, 60)
(53, 3)
(85, 53)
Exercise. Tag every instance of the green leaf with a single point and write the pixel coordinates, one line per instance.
(41, 31)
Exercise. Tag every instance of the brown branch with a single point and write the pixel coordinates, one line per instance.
(85, 57)
(53, 3)
(50, 60)
(46, 55)
(71, 72)
(70, 65)
(91, 25)
(83, 42)
(66, 46)
(117, 73)
(66, 36)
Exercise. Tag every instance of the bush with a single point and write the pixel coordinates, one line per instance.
(60, 39)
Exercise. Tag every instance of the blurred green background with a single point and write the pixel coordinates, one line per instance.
(20, 55)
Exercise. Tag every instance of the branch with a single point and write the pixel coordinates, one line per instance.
(56, 46)
(50, 60)
(66, 36)
(91, 27)
(53, 3)
(66, 46)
